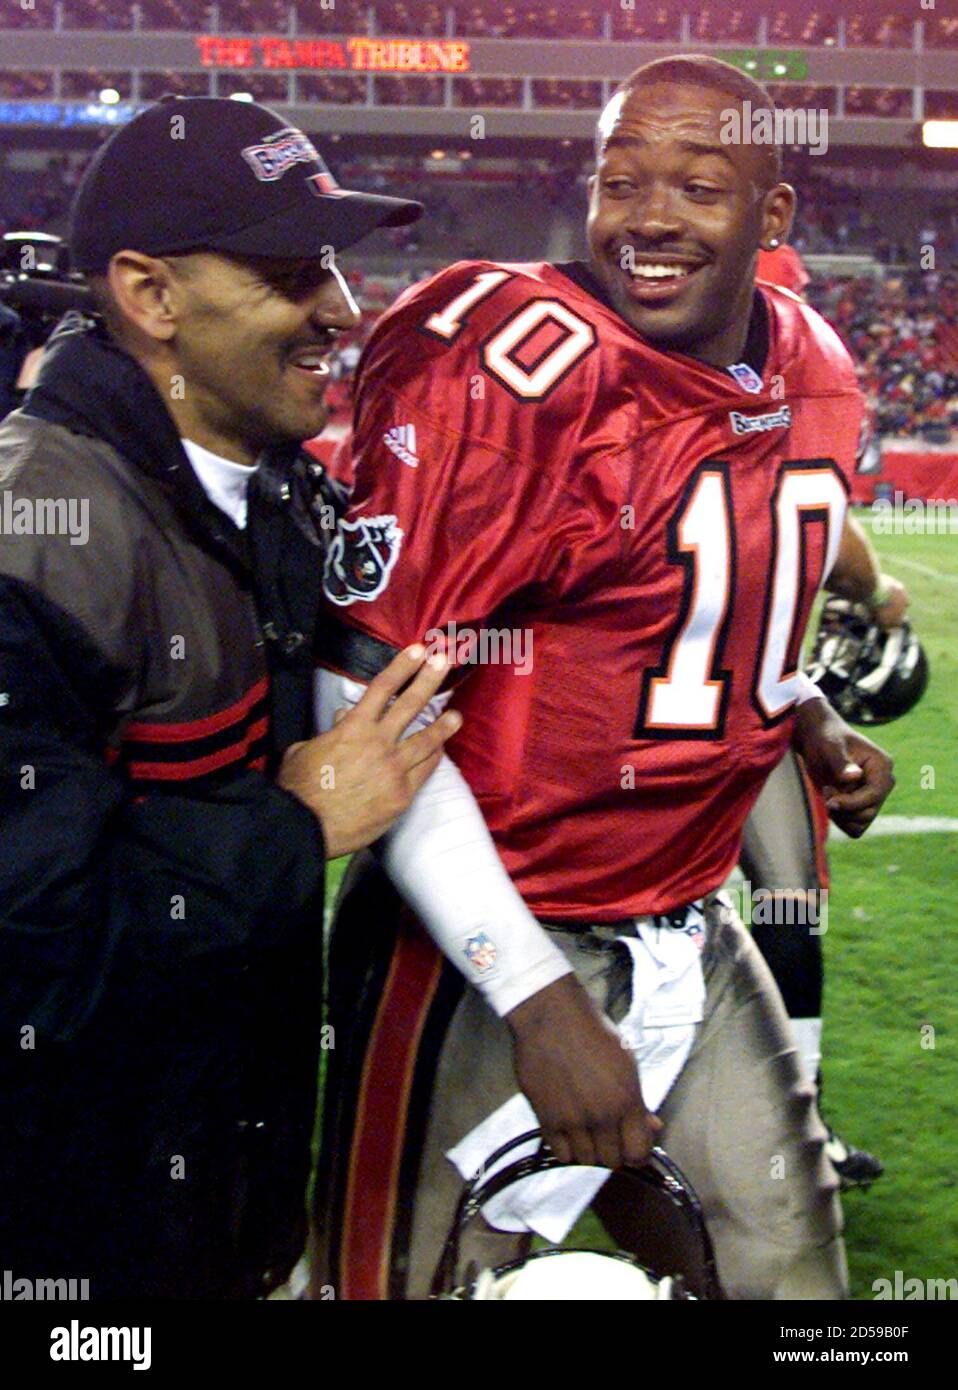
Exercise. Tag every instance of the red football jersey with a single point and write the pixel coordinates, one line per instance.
(640, 535)
(782, 267)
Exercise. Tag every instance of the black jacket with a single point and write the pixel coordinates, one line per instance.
(13, 349)
(160, 898)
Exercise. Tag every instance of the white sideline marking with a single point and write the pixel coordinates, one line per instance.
(926, 569)
(903, 825)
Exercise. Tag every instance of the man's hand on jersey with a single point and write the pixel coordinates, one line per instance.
(892, 611)
(579, 1079)
(363, 773)
(854, 774)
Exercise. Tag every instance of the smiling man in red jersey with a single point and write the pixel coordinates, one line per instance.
(636, 466)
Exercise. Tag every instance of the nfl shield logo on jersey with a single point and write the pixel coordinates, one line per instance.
(361, 558)
(747, 377)
(480, 952)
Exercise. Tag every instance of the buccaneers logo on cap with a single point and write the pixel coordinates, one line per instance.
(280, 152)
(361, 558)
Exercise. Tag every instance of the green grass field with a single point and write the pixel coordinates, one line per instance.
(891, 960)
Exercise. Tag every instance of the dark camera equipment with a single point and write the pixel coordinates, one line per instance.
(36, 285)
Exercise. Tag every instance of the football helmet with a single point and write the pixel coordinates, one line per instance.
(651, 1210)
(869, 674)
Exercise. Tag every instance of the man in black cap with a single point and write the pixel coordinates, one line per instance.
(166, 811)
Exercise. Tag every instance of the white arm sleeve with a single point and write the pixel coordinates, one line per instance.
(443, 861)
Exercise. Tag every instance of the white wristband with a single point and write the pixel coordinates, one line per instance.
(807, 689)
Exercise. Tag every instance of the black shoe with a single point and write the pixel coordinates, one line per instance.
(855, 1167)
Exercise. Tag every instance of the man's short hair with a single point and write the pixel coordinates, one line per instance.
(701, 70)
(103, 302)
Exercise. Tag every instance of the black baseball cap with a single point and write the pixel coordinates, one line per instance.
(229, 176)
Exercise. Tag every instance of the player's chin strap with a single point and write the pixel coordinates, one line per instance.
(659, 1173)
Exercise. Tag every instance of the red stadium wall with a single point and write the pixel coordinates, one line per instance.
(930, 477)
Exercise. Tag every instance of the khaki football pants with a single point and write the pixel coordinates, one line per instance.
(740, 1122)
(779, 846)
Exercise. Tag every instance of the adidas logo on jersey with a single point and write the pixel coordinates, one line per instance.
(748, 424)
(401, 439)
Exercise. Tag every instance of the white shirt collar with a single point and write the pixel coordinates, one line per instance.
(224, 482)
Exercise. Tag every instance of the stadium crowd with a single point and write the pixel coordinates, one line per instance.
(38, 200)
(903, 335)
(867, 23)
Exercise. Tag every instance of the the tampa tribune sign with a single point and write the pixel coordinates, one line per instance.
(356, 54)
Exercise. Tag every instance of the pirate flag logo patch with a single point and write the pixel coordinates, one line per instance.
(360, 559)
